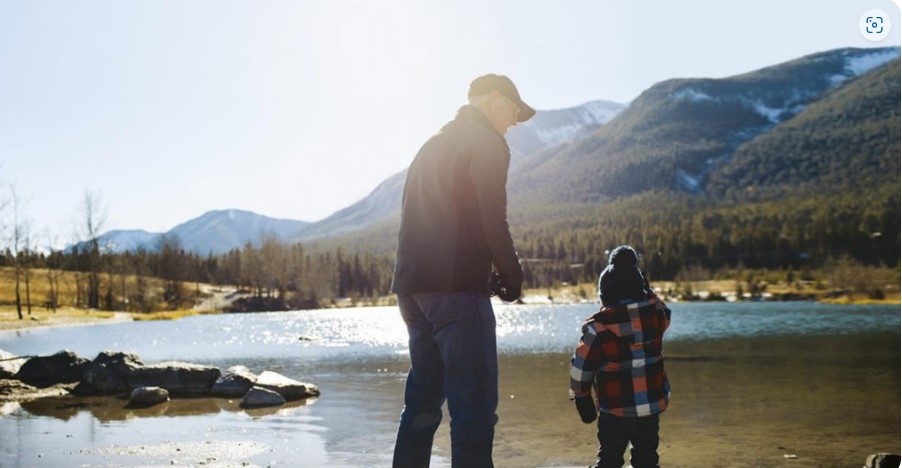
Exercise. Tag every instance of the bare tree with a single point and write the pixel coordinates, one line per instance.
(274, 264)
(171, 268)
(20, 240)
(94, 217)
(54, 270)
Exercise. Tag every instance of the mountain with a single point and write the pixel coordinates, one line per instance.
(214, 232)
(382, 203)
(555, 127)
(547, 128)
(847, 140)
(678, 131)
(220, 231)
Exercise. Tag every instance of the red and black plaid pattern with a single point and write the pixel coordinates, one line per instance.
(620, 354)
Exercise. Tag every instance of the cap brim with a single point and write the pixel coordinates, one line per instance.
(526, 112)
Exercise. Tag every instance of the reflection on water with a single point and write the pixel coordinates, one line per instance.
(106, 409)
(365, 333)
(752, 382)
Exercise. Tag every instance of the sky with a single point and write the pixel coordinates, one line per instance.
(168, 109)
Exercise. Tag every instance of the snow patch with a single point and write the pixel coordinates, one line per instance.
(601, 112)
(862, 64)
(694, 95)
(557, 135)
(837, 79)
(688, 181)
(770, 113)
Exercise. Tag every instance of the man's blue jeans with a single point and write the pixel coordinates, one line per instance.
(453, 355)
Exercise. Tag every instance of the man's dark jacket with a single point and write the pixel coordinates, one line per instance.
(454, 211)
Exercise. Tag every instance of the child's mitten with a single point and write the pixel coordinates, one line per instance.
(586, 407)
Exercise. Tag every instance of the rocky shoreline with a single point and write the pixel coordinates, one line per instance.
(123, 374)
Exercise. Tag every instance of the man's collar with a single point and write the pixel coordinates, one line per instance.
(476, 114)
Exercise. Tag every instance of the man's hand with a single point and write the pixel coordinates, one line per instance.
(499, 286)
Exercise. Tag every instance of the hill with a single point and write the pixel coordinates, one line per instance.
(679, 131)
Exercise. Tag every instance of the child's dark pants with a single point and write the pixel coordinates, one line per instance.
(614, 433)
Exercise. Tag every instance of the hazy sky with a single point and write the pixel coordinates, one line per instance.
(295, 109)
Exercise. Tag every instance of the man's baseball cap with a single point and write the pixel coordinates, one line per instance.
(485, 84)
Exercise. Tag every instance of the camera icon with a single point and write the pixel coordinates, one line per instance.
(875, 25)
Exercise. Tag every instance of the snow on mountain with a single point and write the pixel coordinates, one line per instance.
(214, 232)
(554, 127)
(128, 239)
(861, 64)
(224, 230)
(857, 63)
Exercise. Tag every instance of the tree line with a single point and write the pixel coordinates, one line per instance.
(276, 275)
(674, 233)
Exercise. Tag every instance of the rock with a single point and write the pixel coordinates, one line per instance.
(257, 397)
(109, 371)
(9, 365)
(883, 460)
(234, 383)
(179, 378)
(9, 389)
(143, 397)
(16, 390)
(44, 371)
(290, 389)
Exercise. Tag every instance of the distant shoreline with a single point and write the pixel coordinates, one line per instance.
(70, 316)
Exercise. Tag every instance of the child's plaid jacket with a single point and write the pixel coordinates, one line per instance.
(620, 354)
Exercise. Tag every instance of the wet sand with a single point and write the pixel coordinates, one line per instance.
(801, 402)
(742, 402)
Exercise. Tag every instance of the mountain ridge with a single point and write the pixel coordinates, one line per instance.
(694, 137)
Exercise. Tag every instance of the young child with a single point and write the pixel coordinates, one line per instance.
(619, 355)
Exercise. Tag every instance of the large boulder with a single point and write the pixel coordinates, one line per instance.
(109, 371)
(258, 397)
(44, 371)
(290, 389)
(236, 381)
(9, 364)
(143, 397)
(179, 378)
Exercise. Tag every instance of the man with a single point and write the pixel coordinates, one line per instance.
(453, 240)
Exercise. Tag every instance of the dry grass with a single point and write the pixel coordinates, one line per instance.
(67, 313)
(723, 288)
(9, 317)
(69, 282)
(169, 314)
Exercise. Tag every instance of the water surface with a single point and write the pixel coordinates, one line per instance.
(753, 382)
